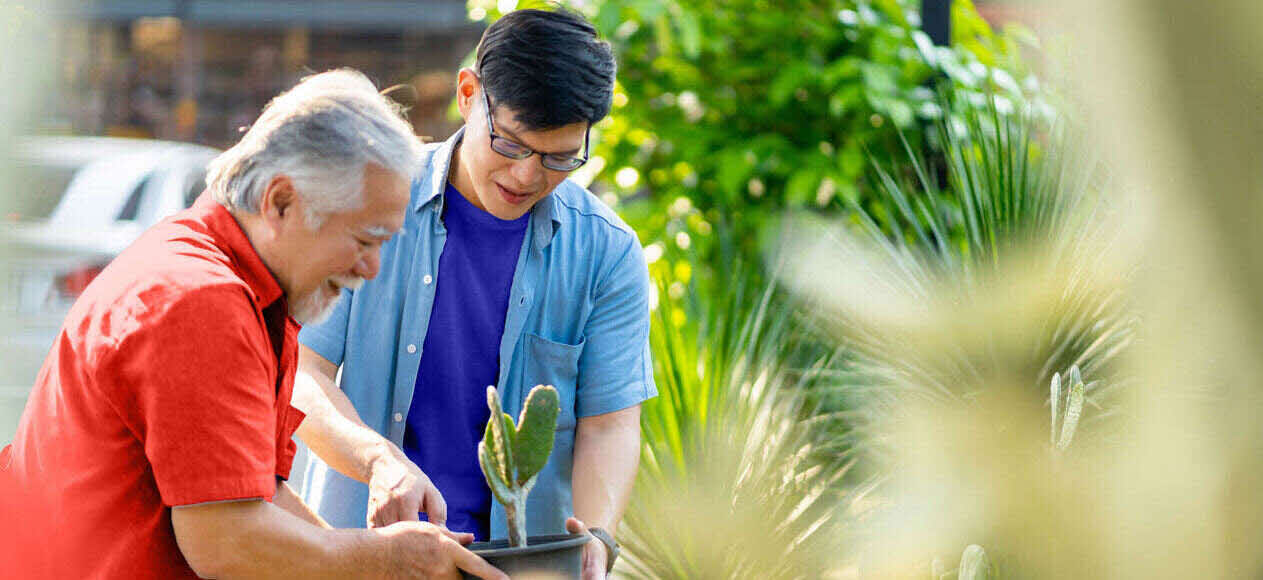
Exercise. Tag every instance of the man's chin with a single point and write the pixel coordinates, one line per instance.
(314, 308)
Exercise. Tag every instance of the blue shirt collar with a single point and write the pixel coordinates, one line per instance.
(545, 216)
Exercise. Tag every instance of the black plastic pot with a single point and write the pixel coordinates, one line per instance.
(556, 557)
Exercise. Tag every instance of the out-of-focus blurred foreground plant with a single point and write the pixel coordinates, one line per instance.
(739, 476)
(963, 305)
(940, 295)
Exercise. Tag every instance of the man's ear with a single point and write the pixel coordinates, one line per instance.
(279, 205)
(467, 87)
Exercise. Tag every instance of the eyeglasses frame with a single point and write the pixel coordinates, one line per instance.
(543, 157)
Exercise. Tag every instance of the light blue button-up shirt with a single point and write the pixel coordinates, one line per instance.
(578, 319)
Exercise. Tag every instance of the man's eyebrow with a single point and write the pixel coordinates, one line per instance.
(379, 231)
(513, 134)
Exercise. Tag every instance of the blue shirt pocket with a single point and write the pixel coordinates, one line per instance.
(556, 364)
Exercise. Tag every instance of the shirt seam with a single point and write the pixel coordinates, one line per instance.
(591, 214)
(599, 287)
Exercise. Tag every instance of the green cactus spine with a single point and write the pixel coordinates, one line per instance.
(512, 456)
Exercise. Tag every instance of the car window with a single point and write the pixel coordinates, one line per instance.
(132, 207)
(194, 187)
(36, 190)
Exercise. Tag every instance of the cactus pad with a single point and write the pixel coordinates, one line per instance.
(533, 441)
(511, 456)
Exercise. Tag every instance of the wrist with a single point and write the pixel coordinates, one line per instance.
(609, 543)
(378, 456)
(362, 553)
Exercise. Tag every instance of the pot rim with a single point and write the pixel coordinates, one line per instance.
(534, 544)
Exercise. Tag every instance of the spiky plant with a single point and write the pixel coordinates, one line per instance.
(964, 293)
(734, 479)
(1066, 410)
(512, 456)
(987, 266)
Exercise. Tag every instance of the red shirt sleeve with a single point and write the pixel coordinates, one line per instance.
(197, 383)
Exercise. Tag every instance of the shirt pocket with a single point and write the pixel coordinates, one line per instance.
(556, 364)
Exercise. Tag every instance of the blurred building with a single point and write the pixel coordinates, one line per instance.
(200, 70)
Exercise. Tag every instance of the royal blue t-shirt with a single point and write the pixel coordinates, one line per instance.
(461, 357)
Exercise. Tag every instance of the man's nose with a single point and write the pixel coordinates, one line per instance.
(527, 171)
(369, 264)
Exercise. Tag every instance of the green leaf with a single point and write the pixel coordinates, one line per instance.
(499, 438)
(498, 487)
(787, 82)
(1074, 408)
(1055, 400)
(533, 441)
(690, 34)
(801, 188)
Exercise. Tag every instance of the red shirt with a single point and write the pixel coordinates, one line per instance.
(168, 385)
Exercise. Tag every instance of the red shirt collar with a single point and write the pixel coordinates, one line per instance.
(245, 259)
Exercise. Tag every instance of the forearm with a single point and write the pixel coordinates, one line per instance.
(333, 430)
(606, 457)
(289, 501)
(257, 539)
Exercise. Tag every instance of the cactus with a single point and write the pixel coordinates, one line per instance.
(512, 456)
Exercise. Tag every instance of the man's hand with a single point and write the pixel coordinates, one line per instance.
(398, 489)
(257, 539)
(423, 550)
(594, 554)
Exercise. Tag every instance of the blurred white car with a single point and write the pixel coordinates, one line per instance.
(74, 204)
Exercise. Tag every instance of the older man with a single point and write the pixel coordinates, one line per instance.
(157, 438)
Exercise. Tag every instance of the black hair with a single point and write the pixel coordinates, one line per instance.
(548, 67)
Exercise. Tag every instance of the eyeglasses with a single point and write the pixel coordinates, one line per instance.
(515, 150)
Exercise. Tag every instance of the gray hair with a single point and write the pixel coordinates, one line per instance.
(320, 134)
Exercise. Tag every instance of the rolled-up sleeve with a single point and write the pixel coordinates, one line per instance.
(615, 369)
(328, 338)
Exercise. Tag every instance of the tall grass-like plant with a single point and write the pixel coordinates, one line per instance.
(994, 256)
(965, 289)
(733, 482)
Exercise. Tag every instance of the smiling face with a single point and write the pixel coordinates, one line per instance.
(313, 265)
(503, 187)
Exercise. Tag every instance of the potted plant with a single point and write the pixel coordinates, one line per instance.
(511, 457)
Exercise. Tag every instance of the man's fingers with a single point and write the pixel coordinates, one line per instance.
(472, 563)
(373, 517)
(406, 511)
(463, 537)
(574, 526)
(435, 506)
(386, 512)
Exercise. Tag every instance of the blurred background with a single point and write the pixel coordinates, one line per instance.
(942, 289)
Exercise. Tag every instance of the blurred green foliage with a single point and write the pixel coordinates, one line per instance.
(727, 112)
